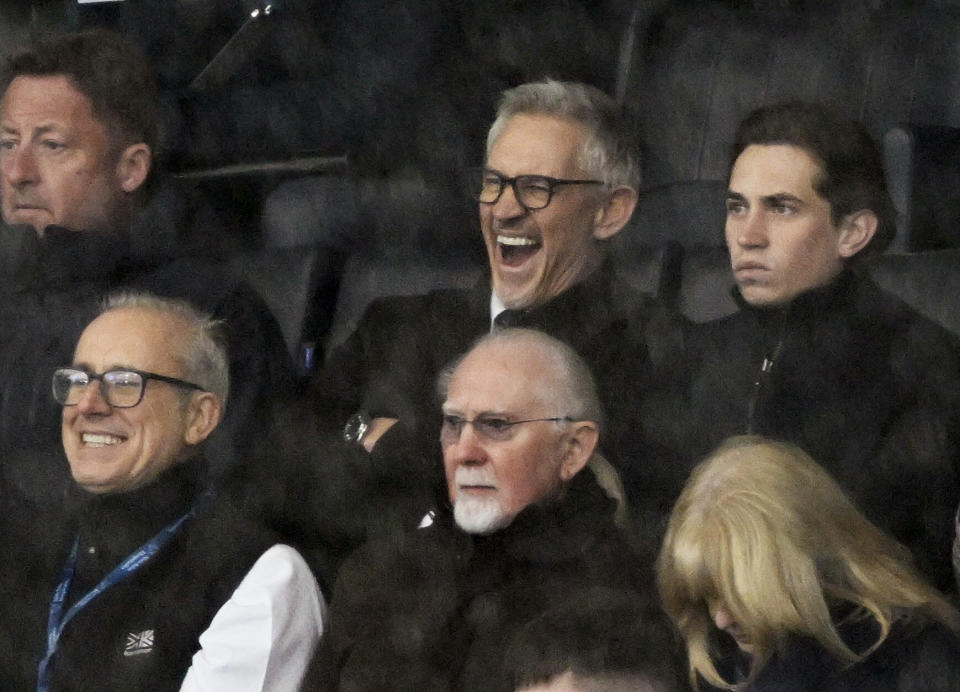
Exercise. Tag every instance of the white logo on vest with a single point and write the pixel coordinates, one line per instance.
(138, 643)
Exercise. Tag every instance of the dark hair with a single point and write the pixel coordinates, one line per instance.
(603, 634)
(108, 70)
(851, 167)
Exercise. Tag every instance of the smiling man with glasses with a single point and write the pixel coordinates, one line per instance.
(531, 531)
(154, 580)
(120, 429)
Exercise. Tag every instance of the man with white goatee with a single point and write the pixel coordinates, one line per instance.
(530, 530)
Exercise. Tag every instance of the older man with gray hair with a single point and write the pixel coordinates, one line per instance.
(529, 530)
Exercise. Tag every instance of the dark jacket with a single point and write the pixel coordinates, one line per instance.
(173, 597)
(434, 609)
(863, 383)
(925, 659)
(389, 367)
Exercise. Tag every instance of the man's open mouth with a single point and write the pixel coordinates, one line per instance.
(515, 250)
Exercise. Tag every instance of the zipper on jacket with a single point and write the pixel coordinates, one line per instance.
(766, 367)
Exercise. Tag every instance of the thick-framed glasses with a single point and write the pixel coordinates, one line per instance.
(121, 388)
(491, 428)
(532, 191)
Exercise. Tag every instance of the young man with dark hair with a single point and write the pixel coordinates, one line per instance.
(818, 355)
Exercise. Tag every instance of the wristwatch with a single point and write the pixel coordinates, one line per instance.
(356, 427)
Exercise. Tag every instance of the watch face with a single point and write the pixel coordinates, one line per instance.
(356, 427)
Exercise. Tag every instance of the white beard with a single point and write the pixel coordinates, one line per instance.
(479, 515)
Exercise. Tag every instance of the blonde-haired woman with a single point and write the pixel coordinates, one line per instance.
(776, 581)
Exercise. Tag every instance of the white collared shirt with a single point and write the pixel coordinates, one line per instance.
(264, 637)
(496, 307)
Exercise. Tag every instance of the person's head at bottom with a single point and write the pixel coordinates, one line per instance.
(763, 548)
(605, 641)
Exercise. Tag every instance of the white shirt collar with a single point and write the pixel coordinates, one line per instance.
(496, 307)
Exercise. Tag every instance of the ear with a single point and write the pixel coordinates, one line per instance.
(614, 213)
(133, 166)
(856, 231)
(203, 416)
(579, 448)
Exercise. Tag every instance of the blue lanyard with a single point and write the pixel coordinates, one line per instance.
(57, 620)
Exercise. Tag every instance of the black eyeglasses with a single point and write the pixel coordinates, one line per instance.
(532, 191)
(492, 428)
(122, 388)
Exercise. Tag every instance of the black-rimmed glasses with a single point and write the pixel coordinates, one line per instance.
(532, 191)
(493, 428)
(121, 388)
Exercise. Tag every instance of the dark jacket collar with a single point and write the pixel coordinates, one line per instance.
(157, 234)
(814, 309)
(116, 524)
(581, 306)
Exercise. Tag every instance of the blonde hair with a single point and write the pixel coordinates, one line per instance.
(763, 529)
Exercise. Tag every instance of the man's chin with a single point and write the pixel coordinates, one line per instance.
(761, 296)
(479, 515)
(37, 222)
(515, 295)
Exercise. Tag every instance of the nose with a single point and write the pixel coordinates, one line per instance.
(19, 166)
(508, 206)
(93, 403)
(722, 617)
(751, 231)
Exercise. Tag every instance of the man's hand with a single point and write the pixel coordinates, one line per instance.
(378, 426)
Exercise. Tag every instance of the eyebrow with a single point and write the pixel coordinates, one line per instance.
(480, 414)
(780, 198)
(766, 200)
(116, 366)
(37, 131)
(488, 169)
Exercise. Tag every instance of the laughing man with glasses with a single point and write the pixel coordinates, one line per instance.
(531, 531)
(559, 180)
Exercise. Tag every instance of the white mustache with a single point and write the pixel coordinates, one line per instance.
(468, 475)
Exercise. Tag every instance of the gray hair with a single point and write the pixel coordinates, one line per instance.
(203, 356)
(609, 152)
(572, 387)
